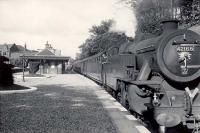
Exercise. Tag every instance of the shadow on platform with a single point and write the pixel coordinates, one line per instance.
(13, 87)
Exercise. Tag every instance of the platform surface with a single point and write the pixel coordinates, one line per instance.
(67, 103)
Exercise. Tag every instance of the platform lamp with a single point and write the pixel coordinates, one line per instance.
(23, 60)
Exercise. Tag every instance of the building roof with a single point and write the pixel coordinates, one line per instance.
(45, 57)
(45, 52)
(9, 46)
(2, 46)
(48, 53)
(20, 47)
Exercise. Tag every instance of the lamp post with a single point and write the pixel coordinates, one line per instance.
(23, 69)
(23, 60)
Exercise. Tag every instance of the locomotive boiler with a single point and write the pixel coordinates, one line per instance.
(160, 75)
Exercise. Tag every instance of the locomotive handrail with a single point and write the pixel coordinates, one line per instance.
(142, 82)
(146, 49)
(186, 42)
(150, 82)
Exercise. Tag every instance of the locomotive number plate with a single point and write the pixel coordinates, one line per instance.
(185, 48)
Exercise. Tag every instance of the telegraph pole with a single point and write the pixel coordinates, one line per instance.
(23, 68)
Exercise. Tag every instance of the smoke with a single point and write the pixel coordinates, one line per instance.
(124, 19)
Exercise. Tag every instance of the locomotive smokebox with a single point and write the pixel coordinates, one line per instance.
(170, 24)
(178, 55)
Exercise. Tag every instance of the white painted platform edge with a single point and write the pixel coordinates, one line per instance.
(117, 105)
(19, 91)
(142, 129)
(131, 117)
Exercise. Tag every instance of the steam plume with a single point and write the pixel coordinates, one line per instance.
(125, 20)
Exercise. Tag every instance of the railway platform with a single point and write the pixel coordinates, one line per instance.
(68, 103)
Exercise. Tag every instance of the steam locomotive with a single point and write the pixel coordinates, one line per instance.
(160, 74)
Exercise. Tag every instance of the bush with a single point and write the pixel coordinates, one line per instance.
(6, 77)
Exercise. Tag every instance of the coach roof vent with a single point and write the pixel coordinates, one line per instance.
(170, 24)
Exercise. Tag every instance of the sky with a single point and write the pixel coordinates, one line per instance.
(63, 23)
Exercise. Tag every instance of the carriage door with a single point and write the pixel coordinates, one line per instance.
(103, 68)
(84, 67)
(103, 74)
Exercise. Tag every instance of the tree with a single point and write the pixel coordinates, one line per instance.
(190, 13)
(101, 38)
(6, 77)
(150, 13)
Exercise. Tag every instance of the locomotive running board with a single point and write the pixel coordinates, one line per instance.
(150, 82)
(140, 82)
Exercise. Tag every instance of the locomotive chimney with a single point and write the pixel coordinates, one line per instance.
(170, 25)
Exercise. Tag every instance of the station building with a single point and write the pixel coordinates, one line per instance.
(46, 61)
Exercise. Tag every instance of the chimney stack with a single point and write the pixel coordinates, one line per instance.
(170, 25)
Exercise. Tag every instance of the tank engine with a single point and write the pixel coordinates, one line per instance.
(169, 75)
(161, 75)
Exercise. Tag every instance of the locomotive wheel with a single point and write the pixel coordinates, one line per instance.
(114, 94)
(124, 95)
(118, 92)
